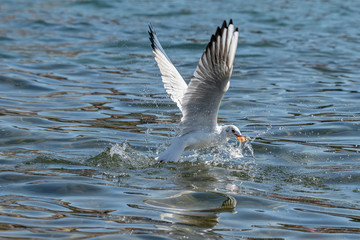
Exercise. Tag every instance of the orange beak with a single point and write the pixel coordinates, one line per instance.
(241, 138)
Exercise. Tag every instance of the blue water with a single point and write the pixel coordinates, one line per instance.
(83, 112)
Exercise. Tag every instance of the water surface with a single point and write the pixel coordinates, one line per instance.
(83, 113)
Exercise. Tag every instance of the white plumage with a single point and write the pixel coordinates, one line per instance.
(199, 101)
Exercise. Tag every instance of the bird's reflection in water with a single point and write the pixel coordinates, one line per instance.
(198, 209)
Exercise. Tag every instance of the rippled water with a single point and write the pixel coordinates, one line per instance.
(83, 112)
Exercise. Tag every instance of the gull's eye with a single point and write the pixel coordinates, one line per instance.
(233, 131)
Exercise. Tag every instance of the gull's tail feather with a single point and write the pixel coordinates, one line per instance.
(173, 153)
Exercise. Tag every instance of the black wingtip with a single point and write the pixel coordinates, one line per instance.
(218, 31)
(151, 30)
(224, 25)
(151, 36)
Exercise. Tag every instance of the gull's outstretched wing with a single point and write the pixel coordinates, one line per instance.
(201, 101)
(173, 82)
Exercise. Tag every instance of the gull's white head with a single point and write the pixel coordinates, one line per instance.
(231, 131)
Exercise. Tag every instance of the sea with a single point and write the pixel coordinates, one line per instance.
(84, 113)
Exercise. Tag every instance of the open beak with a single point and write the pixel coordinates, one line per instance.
(241, 138)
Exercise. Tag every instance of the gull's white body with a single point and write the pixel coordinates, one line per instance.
(193, 140)
(199, 101)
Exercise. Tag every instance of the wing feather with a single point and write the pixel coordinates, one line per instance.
(211, 79)
(174, 84)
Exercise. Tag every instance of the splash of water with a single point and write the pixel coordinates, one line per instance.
(246, 146)
(230, 154)
(262, 133)
(121, 156)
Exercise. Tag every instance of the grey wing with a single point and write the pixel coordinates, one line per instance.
(173, 82)
(211, 80)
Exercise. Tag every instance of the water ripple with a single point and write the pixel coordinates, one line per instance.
(83, 113)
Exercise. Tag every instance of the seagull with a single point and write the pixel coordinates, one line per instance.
(199, 101)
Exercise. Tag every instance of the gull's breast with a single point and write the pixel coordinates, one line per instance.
(196, 140)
